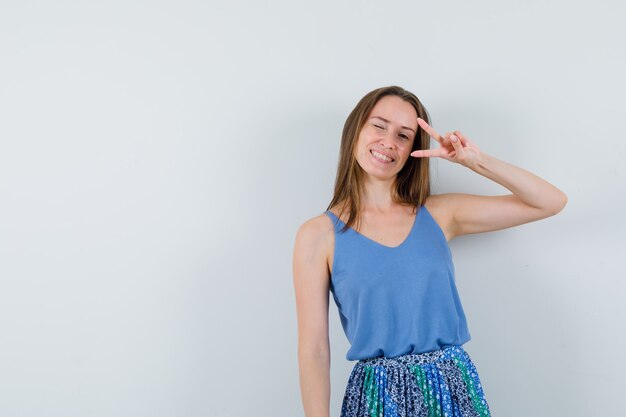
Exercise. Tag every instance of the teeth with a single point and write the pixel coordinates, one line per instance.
(381, 156)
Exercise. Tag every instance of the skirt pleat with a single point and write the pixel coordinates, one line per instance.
(440, 383)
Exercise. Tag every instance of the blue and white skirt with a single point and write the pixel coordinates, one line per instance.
(440, 383)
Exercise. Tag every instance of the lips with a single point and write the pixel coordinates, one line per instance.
(381, 156)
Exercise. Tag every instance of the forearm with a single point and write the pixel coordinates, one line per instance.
(531, 189)
(315, 383)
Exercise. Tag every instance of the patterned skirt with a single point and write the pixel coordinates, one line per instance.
(441, 383)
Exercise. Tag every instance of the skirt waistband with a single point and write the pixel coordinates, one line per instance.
(445, 353)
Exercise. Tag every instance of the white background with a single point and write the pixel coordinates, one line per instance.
(157, 158)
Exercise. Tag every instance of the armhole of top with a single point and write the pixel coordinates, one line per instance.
(437, 225)
(334, 225)
(440, 232)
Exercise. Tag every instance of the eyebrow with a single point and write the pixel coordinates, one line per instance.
(387, 121)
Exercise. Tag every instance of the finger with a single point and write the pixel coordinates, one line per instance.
(458, 134)
(461, 136)
(431, 132)
(465, 140)
(456, 143)
(429, 153)
(467, 144)
(446, 138)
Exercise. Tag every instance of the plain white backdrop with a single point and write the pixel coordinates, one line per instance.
(157, 158)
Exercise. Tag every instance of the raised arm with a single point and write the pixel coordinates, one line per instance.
(532, 198)
(311, 280)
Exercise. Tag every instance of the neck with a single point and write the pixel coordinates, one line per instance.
(377, 195)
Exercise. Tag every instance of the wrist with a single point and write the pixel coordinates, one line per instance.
(481, 163)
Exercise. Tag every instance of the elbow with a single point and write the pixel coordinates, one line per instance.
(314, 351)
(314, 358)
(559, 203)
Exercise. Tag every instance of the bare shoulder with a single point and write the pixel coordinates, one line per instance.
(315, 239)
(315, 229)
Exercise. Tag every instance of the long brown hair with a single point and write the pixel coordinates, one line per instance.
(412, 185)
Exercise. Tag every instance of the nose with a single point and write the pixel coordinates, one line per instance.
(386, 139)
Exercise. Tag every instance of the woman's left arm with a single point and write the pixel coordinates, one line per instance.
(532, 198)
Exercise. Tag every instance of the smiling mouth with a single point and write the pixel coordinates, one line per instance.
(380, 157)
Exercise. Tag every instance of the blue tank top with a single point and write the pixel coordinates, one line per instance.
(397, 300)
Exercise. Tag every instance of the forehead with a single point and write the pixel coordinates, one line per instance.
(396, 110)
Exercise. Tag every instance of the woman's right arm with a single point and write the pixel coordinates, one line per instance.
(311, 283)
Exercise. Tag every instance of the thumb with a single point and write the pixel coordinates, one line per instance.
(456, 144)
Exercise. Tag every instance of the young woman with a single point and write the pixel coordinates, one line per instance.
(381, 249)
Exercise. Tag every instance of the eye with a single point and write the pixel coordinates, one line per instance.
(379, 126)
(405, 137)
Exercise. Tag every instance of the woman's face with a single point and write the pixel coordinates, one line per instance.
(386, 139)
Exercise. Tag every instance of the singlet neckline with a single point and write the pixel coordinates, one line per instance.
(404, 242)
